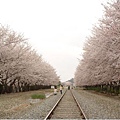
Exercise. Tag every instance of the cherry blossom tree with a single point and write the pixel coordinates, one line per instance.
(101, 59)
(20, 66)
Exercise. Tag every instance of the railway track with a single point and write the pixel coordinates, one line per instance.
(66, 107)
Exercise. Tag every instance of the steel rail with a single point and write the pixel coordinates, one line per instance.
(82, 112)
(52, 110)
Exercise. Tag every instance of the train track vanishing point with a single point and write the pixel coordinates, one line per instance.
(67, 107)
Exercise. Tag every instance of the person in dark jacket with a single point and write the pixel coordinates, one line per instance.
(68, 87)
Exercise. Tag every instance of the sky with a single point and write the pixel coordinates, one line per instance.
(56, 29)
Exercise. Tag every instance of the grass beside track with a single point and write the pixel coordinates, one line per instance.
(38, 96)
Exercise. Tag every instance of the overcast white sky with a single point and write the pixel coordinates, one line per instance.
(57, 29)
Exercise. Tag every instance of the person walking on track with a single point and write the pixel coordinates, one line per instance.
(61, 87)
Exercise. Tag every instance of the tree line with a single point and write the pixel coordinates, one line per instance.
(100, 67)
(21, 67)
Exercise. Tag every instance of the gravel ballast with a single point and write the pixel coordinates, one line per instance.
(98, 106)
(38, 111)
(16, 103)
(95, 107)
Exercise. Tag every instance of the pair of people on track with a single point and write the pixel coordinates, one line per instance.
(55, 89)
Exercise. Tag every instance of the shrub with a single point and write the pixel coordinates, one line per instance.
(38, 96)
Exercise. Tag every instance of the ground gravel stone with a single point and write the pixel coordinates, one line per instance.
(37, 111)
(98, 106)
(13, 103)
